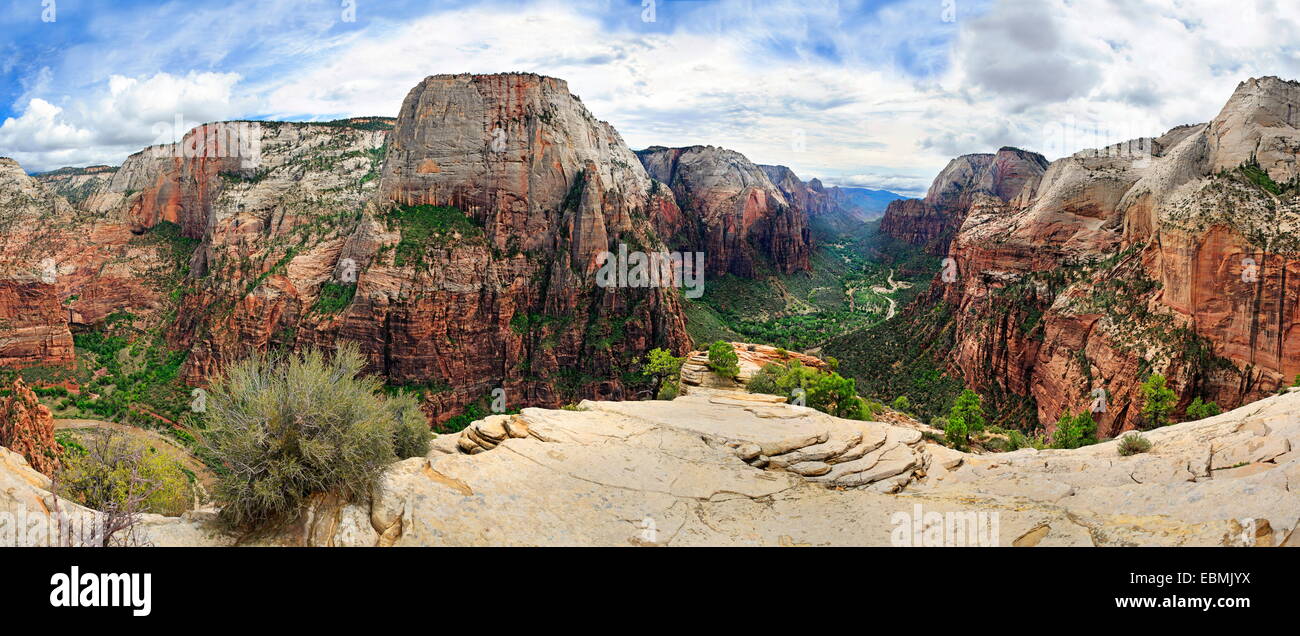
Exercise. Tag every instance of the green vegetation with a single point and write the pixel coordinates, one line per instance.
(425, 226)
(723, 360)
(827, 392)
(1199, 409)
(1133, 443)
(1157, 401)
(334, 297)
(112, 472)
(803, 310)
(965, 418)
(289, 426)
(901, 404)
(664, 369)
(1075, 431)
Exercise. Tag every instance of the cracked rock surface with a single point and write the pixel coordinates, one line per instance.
(730, 468)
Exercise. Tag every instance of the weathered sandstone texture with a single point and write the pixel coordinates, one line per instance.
(729, 468)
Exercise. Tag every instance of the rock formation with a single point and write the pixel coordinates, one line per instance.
(1172, 254)
(932, 221)
(27, 428)
(731, 211)
(248, 236)
(833, 210)
(730, 468)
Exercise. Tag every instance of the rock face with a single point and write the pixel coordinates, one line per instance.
(836, 210)
(1158, 254)
(61, 266)
(457, 246)
(731, 211)
(933, 220)
(27, 428)
(729, 468)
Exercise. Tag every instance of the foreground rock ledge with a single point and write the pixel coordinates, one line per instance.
(729, 468)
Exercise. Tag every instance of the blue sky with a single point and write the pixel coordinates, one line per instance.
(877, 93)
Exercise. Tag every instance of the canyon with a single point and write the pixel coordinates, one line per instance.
(1072, 281)
(456, 243)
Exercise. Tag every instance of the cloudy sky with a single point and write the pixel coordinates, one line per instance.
(876, 93)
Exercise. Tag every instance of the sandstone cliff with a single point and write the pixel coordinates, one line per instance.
(932, 221)
(27, 428)
(1173, 254)
(731, 211)
(457, 245)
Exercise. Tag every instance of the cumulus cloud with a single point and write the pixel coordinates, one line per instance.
(851, 91)
(125, 115)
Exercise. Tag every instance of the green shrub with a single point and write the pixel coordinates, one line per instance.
(334, 297)
(288, 426)
(109, 471)
(1157, 401)
(965, 418)
(1074, 431)
(723, 360)
(957, 434)
(827, 392)
(1133, 443)
(1199, 410)
(901, 404)
(766, 380)
(664, 369)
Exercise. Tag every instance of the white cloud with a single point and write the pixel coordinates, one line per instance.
(125, 115)
(883, 102)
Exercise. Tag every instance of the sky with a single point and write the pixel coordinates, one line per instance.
(871, 93)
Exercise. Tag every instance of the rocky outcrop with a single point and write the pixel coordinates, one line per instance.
(932, 221)
(459, 250)
(1160, 254)
(749, 359)
(731, 211)
(27, 428)
(78, 185)
(246, 236)
(833, 210)
(728, 468)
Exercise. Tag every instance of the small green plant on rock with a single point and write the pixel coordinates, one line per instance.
(723, 360)
(1199, 410)
(286, 427)
(1133, 443)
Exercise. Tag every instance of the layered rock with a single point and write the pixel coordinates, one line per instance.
(60, 266)
(728, 468)
(465, 263)
(27, 428)
(731, 211)
(246, 236)
(78, 185)
(932, 221)
(834, 210)
(1158, 254)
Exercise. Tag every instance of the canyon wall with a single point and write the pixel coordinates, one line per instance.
(1169, 254)
(457, 247)
(731, 211)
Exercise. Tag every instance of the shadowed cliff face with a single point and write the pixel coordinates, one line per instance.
(731, 211)
(1157, 255)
